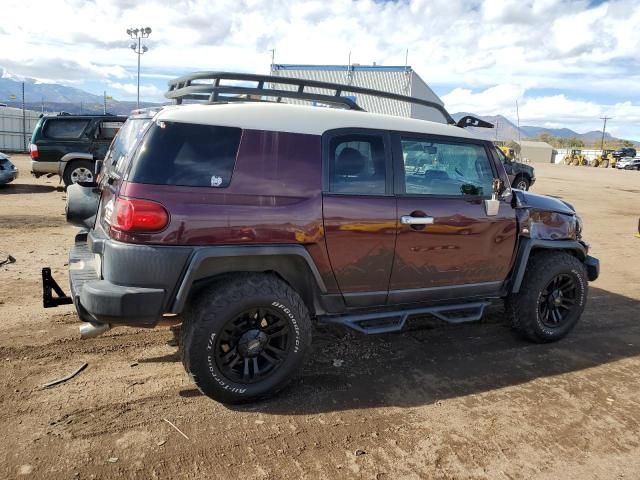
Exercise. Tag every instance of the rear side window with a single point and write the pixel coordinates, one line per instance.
(186, 154)
(124, 144)
(357, 164)
(71, 128)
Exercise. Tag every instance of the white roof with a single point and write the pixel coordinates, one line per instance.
(301, 119)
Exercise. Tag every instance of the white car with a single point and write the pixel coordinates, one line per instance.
(628, 163)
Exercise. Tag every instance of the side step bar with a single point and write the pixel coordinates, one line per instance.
(386, 322)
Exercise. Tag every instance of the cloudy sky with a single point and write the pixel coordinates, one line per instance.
(567, 62)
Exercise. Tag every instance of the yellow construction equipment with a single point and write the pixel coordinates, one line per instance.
(605, 159)
(508, 152)
(575, 158)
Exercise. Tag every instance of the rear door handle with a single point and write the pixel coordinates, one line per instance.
(409, 220)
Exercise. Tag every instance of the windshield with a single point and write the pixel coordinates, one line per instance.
(123, 145)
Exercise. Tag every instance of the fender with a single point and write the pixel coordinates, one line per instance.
(292, 262)
(62, 164)
(527, 245)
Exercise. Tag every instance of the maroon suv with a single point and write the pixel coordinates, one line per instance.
(250, 220)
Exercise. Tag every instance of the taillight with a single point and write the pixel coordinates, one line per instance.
(135, 215)
(33, 151)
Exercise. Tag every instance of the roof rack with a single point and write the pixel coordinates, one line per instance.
(191, 87)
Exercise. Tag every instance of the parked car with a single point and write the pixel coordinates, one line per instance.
(628, 163)
(520, 175)
(8, 171)
(624, 152)
(69, 145)
(251, 220)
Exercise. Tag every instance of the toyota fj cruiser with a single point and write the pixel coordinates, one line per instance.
(250, 220)
(69, 145)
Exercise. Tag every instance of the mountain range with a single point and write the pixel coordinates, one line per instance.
(505, 130)
(52, 97)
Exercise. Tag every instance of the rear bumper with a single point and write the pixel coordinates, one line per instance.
(43, 168)
(593, 268)
(101, 301)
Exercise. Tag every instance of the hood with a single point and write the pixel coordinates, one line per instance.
(522, 199)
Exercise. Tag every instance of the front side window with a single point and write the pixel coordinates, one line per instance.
(174, 153)
(357, 164)
(441, 168)
(69, 128)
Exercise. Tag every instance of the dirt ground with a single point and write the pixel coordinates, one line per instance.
(469, 401)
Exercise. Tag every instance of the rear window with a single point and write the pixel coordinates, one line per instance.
(186, 154)
(67, 128)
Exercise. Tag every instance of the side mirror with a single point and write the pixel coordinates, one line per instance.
(492, 206)
(97, 168)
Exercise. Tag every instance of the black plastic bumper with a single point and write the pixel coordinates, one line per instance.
(593, 267)
(100, 301)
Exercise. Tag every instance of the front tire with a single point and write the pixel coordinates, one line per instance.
(245, 338)
(551, 299)
(521, 183)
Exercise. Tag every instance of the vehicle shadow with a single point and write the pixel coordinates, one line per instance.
(16, 188)
(346, 370)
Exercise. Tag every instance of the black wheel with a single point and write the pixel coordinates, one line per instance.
(551, 299)
(78, 171)
(521, 183)
(245, 338)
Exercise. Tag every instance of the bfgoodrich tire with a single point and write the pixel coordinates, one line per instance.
(551, 299)
(245, 338)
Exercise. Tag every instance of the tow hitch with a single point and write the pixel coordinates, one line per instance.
(49, 286)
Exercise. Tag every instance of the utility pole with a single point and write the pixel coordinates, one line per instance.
(24, 123)
(104, 102)
(604, 128)
(138, 34)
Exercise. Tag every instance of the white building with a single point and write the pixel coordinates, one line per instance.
(399, 80)
(14, 135)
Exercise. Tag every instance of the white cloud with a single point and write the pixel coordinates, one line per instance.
(151, 92)
(457, 46)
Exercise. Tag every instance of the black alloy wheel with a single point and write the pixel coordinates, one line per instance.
(557, 301)
(253, 345)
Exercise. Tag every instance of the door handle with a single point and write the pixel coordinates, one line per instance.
(409, 220)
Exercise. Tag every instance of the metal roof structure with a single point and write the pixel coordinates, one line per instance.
(402, 80)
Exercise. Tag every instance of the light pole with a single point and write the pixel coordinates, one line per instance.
(138, 34)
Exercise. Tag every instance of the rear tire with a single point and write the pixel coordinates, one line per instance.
(551, 299)
(245, 338)
(78, 171)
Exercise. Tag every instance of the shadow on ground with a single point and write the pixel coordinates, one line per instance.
(15, 188)
(424, 365)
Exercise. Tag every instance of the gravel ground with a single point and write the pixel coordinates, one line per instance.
(467, 401)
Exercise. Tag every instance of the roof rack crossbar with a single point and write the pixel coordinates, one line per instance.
(187, 87)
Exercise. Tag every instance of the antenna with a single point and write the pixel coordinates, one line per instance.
(518, 116)
(349, 70)
(406, 72)
(273, 58)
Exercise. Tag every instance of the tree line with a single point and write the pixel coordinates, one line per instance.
(573, 142)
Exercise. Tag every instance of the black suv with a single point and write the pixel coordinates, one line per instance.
(624, 152)
(520, 175)
(69, 145)
(250, 220)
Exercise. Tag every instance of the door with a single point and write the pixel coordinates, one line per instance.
(447, 247)
(359, 209)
